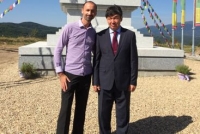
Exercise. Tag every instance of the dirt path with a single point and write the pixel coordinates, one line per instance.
(8, 54)
(160, 105)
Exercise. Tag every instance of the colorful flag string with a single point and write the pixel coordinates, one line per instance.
(152, 13)
(145, 22)
(10, 8)
(157, 17)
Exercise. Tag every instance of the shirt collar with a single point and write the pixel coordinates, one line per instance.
(118, 30)
(81, 24)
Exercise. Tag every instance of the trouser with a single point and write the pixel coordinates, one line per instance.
(105, 104)
(79, 85)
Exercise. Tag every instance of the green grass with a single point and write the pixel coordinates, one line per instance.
(19, 40)
(187, 48)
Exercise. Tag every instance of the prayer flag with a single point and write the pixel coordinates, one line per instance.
(197, 13)
(182, 13)
(174, 16)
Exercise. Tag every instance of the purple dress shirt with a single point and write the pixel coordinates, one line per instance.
(79, 43)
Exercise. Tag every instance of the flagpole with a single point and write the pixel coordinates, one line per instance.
(172, 37)
(174, 20)
(182, 23)
(182, 38)
(193, 28)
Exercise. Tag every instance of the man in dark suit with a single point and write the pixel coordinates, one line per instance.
(115, 71)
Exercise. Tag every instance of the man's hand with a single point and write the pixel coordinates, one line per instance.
(63, 81)
(132, 88)
(96, 88)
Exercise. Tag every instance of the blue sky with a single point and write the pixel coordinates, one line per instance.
(48, 12)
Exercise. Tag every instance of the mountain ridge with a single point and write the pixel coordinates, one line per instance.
(33, 29)
(26, 29)
(177, 33)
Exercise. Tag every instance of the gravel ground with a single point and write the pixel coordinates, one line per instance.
(160, 105)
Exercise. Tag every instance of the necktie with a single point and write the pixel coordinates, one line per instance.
(114, 43)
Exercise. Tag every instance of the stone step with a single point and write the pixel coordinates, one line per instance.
(142, 41)
(41, 48)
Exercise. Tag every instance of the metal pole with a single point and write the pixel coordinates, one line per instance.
(182, 39)
(172, 38)
(193, 28)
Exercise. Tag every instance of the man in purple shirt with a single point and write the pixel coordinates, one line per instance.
(75, 76)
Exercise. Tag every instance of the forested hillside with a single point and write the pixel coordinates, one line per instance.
(26, 29)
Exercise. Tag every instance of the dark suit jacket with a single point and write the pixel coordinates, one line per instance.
(122, 68)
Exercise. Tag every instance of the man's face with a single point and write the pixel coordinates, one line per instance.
(89, 11)
(114, 21)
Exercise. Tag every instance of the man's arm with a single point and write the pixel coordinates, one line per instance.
(134, 62)
(62, 42)
(96, 60)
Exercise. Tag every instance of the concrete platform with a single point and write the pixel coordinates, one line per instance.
(152, 61)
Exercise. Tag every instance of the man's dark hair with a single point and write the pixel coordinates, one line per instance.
(90, 2)
(113, 10)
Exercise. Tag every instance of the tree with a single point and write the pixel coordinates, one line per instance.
(33, 32)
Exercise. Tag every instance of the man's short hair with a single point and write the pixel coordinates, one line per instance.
(113, 10)
(90, 2)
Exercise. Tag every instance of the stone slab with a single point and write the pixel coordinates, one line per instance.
(39, 62)
(37, 48)
(51, 72)
(142, 73)
(159, 63)
(153, 63)
(160, 52)
(143, 42)
(52, 39)
(41, 48)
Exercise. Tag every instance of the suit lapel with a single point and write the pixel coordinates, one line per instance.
(107, 38)
(120, 40)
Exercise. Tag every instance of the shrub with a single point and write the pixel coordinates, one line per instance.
(184, 69)
(28, 70)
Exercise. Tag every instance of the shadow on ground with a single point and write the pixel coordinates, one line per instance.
(159, 125)
(10, 84)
